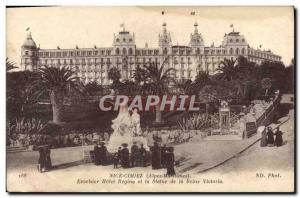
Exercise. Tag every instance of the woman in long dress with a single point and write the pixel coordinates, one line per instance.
(263, 140)
(270, 135)
(278, 137)
(170, 161)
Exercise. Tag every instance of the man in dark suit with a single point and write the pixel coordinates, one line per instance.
(125, 156)
(134, 154)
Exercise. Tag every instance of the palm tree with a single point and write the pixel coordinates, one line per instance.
(156, 81)
(57, 82)
(10, 65)
(229, 70)
(115, 75)
(93, 88)
(202, 79)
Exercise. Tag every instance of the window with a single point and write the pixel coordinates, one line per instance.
(130, 40)
(231, 40)
(237, 51)
(124, 40)
(237, 40)
(231, 51)
(243, 40)
(124, 51)
(26, 52)
(90, 53)
(165, 51)
(117, 40)
(117, 51)
(71, 61)
(243, 50)
(198, 51)
(130, 51)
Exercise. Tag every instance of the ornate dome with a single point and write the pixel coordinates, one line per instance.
(29, 42)
(196, 37)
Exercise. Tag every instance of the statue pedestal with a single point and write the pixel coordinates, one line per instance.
(116, 141)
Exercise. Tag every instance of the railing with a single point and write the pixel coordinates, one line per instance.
(265, 118)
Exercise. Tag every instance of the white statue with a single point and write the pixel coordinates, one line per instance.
(136, 124)
(126, 129)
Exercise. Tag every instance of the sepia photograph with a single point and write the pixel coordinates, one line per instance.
(108, 99)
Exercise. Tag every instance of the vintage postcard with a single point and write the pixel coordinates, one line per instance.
(150, 99)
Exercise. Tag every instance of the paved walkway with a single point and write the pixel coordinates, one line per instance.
(198, 157)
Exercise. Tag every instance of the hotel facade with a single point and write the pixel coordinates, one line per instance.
(93, 64)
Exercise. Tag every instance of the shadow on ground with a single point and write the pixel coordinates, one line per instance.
(67, 165)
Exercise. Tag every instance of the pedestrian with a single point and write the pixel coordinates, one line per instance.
(134, 154)
(48, 163)
(116, 160)
(96, 154)
(270, 135)
(103, 154)
(263, 140)
(163, 155)
(142, 156)
(42, 159)
(155, 156)
(278, 137)
(170, 160)
(119, 152)
(125, 156)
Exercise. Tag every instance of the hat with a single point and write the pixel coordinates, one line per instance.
(101, 143)
(124, 144)
(171, 149)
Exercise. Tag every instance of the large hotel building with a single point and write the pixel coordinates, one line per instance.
(93, 64)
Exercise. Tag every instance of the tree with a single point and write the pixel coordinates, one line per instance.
(228, 69)
(156, 82)
(92, 88)
(10, 65)
(115, 75)
(202, 79)
(266, 84)
(57, 82)
(274, 71)
(19, 92)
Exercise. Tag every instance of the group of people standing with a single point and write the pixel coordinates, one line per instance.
(122, 156)
(135, 158)
(163, 157)
(267, 137)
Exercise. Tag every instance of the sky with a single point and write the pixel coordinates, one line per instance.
(66, 27)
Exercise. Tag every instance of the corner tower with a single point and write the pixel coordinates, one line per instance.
(29, 54)
(164, 41)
